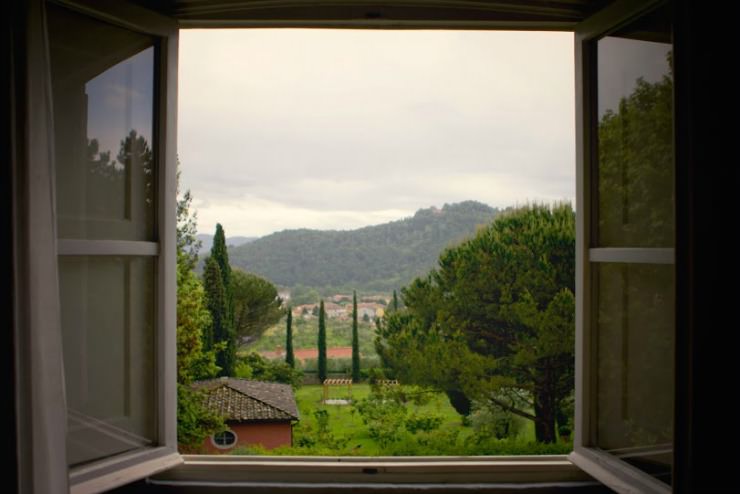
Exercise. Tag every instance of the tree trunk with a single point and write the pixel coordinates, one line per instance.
(544, 410)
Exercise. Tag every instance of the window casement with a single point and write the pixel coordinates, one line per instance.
(625, 330)
(100, 294)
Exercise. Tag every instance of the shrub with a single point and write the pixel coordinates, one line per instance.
(254, 366)
(423, 422)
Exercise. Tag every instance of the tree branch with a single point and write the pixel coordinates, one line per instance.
(512, 409)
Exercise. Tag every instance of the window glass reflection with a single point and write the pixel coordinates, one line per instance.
(635, 338)
(635, 136)
(103, 88)
(108, 338)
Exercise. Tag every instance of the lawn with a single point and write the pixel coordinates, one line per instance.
(346, 422)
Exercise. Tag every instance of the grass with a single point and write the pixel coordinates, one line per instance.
(350, 436)
(346, 422)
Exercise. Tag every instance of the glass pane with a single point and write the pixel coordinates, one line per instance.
(108, 334)
(635, 135)
(635, 338)
(103, 89)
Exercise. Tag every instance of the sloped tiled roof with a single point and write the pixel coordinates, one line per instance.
(242, 400)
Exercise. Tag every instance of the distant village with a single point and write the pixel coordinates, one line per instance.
(339, 307)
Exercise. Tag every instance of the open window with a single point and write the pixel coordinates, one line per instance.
(95, 248)
(101, 183)
(625, 280)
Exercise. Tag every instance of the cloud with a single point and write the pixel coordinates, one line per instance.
(314, 127)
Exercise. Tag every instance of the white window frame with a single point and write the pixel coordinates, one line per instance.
(40, 364)
(606, 467)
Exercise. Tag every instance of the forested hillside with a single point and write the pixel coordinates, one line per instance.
(206, 241)
(381, 257)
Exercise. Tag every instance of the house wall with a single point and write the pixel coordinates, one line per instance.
(270, 435)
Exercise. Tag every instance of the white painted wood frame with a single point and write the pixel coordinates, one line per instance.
(602, 465)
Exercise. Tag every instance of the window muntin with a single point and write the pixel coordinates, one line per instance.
(103, 89)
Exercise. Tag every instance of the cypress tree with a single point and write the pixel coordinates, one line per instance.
(289, 357)
(322, 342)
(355, 341)
(221, 256)
(395, 300)
(222, 306)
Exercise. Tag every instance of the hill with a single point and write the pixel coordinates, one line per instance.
(375, 258)
(207, 241)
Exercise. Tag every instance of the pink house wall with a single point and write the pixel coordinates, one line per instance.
(270, 435)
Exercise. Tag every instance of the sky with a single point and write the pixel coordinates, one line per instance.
(339, 129)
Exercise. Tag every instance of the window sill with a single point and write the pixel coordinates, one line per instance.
(426, 473)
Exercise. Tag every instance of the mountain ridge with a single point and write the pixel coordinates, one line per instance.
(376, 258)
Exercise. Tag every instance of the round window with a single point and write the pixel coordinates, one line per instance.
(223, 440)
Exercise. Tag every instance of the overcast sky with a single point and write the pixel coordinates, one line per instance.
(338, 129)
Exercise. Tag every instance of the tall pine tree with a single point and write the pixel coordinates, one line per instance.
(222, 303)
(355, 341)
(215, 301)
(395, 301)
(221, 256)
(289, 356)
(322, 342)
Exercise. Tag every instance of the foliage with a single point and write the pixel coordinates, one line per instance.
(219, 294)
(423, 423)
(187, 228)
(256, 304)
(381, 257)
(220, 254)
(254, 366)
(305, 335)
(289, 355)
(341, 431)
(215, 297)
(495, 322)
(193, 320)
(194, 421)
(322, 342)
(491, 422)
(383, 417)
(355, 341)
(302, 295)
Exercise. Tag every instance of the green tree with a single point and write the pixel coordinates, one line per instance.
(355, 341)
(217, 305)
(256, 367)
(495, 322)
(220, 254)
(256, 304)
(217, 282)
(395, 300)
(194, 421)
(322, 343)
(289, 355)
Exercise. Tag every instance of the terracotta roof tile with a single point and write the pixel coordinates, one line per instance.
(247, 401)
